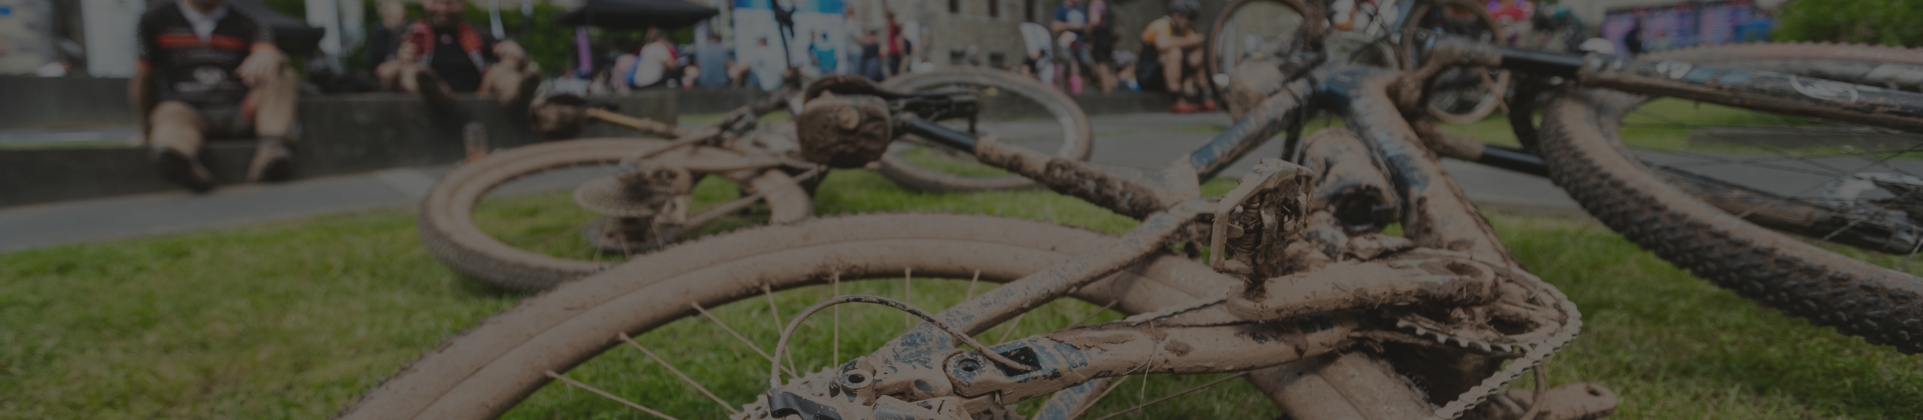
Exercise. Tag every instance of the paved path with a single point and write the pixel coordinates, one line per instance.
(1144, 140)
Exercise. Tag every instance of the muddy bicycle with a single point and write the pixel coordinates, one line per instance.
(1300, 295)
(1385, 33)
(636, 195)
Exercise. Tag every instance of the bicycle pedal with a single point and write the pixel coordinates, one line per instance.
(1253, 222)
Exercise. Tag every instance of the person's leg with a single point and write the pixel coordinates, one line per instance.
(421, 80)
(389, 74)
(512, 84)
(1105, 76)
(272, 105)
(1198, 78)
(1172, 70)
(177, 132)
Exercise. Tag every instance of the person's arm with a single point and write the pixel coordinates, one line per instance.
(1167, 42)
(140, 88)
(265, 61)
(619, 75)
(511, 52)
(1060, 23)
(140, 93)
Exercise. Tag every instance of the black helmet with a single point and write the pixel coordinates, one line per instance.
(1190, 8)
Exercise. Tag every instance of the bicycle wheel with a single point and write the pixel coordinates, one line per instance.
(1018, 110)
(461, 217)
(489, 370)
(1760, 203)
(1255, 30)
(1461, 95)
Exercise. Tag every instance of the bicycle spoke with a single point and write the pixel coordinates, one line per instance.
(1906, 259)
(737, 335)
(1011, 328)
(1098, 397)
(907, 296)
(971, 284)
(605, 394)
(769, 292)
(677, 372)
(1170, 396)
(835, 282)
(1091, 315)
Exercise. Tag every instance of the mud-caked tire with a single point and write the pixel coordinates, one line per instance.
(489, 369)
(1584, 151)
(448, 230)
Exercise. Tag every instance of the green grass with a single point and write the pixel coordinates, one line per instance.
(293, 319)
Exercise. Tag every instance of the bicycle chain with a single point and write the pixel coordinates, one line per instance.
(1534, 356)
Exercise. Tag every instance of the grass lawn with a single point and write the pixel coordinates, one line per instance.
(293, 319)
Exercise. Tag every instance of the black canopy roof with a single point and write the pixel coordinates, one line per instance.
(637, 14)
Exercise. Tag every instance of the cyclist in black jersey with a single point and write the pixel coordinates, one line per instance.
(211, 71)
(441, 54)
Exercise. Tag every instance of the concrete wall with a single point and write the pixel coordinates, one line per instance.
(63, 102)
(714, 101)
(340, 134)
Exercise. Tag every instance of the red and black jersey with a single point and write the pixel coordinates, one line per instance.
(195, 70)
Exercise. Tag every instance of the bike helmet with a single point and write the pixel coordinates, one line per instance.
(1190, 8)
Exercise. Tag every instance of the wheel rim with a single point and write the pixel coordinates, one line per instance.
(1463, 95)
(1017, 111)
(1256, 29)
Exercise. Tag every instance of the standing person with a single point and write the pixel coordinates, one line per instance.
(1633, 40)
(892, 50)
(1171, 58)
(871, 57)
(651, 66)
(383, 40)
(1101, 42)
(441, 54)
(851, 48)
(208, 70)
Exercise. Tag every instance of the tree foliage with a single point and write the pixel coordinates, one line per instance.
(1887, 22)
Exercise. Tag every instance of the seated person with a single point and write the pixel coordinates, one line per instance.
(210, 71)
(652, 67)
(440, 55)
(712, 61)
(1072, 42)
(1171, 58)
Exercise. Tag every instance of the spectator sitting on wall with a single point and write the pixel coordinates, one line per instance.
(1101, 42)
(712, 60)
(1038, 58)
(208, 70)
(1070, 26)
(383, 40)
(1171, 58)
(441, 54)
(763, 65)
(652, 67)
(1125, 72)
